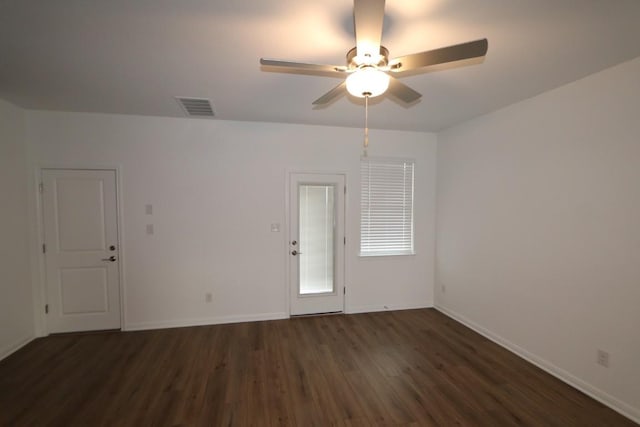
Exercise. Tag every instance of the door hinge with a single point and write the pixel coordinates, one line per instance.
(41, 188)
(345, 240)
(344, 290)
(345, 189)
(46, 309)
(44, 248)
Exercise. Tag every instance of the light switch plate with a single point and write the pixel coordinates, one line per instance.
(275, 227)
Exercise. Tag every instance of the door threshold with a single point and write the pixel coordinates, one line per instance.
(97, 331)
(328, 313)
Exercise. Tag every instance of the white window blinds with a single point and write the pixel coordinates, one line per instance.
(386, 206)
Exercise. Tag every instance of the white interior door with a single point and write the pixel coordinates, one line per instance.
(81, 249)
(316, 243)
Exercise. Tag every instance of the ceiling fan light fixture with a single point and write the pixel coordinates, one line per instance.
(368, 66)
(367, 81)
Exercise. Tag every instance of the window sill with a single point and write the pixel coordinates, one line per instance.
(378, 255)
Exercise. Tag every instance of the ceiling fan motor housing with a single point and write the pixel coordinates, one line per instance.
(354, 61)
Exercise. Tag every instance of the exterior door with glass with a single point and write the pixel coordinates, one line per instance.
(316, 243)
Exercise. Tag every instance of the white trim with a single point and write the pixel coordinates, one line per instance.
(38, 284)
(591, 391)
(388, 307)
(287, 236)
(121, 250)
(163, 324)
(345, 230)
(15, 346)
(386, 255)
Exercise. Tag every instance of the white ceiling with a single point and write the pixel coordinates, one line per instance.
(134, 57)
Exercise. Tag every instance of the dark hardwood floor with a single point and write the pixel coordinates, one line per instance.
(415, 367)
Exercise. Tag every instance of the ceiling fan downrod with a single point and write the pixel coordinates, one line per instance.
(366, 124)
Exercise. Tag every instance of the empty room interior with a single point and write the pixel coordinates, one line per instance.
(167, 169)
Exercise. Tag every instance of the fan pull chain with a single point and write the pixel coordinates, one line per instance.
(366, 126)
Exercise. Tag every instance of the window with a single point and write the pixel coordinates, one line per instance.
(386, 206)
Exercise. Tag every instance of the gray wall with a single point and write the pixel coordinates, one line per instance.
(16, 306)
(539, 230)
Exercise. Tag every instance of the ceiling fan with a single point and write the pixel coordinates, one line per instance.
(369, 70)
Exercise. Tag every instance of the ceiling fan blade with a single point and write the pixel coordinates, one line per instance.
(402, 91)
(443, 55)
(341, 89)
(302, 66)
(368, 18)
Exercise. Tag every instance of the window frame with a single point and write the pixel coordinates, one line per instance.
(406, 246)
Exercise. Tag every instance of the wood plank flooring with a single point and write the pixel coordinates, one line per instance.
(409, 368)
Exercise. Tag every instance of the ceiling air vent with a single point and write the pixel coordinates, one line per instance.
(196, 107)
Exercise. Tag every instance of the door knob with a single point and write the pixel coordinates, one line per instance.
(112, 258)
(294, 252)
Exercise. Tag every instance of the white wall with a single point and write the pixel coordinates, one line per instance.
(539, 230)
(216, 187)
(16, 309)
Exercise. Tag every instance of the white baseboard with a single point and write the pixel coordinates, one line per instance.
(15, 346)
(181, 323)
(389, 307)
(599, 395)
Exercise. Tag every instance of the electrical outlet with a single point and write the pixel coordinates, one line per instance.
(602, 358)
(208, 297)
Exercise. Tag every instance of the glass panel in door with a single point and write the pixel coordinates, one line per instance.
(316, 223)
(316, 243)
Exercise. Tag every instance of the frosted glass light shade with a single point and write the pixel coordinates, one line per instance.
(367, 81)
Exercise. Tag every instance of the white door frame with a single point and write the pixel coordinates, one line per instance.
(40, 300)
(287, 238)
